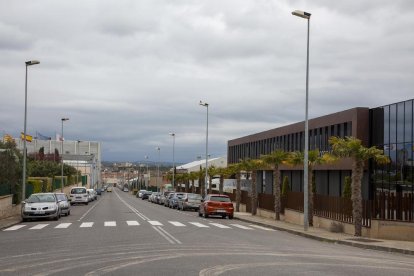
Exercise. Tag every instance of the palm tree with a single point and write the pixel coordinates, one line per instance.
(192, 177)
(274, 160)
(237, 169)
(224, 173)
(350, 147)
(253, 165)
(212, 171)
(296, 158)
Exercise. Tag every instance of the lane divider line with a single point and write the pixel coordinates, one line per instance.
(162, 234)
(169, 235)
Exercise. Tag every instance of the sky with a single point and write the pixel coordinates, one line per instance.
(127, 73)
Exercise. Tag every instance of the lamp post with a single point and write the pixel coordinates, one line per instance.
(147, 182)
(206, 179)
(158, 168)
(307, 16)
(28, 63)
(61, 179)
(173, 180)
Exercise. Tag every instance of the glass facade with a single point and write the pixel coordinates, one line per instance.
(392, 131)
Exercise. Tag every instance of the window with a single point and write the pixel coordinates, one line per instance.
(408, 121)
(400, 122)
(393, 123)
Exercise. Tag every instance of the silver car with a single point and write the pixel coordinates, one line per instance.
(41, 205)
(64, 204)
(189, 201)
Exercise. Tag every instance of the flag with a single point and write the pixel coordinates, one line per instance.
(29, 138)
(42, 137)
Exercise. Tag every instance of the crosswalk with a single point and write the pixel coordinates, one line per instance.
(132, 223)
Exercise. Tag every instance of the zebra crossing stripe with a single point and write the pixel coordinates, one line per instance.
(261, 227)
(63, 225)
(220, 225)
(39, 226)
(199, 225)
(241, 226)
(110, 223)
(176, 223)
(16, 227)
(132, 222)
(86, 224)
(155, 223)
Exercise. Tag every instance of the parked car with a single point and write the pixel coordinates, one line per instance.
(40, 205)
(146, 195)
(92, 194)
(166, 200)
(153, 197)
(189, 201)
(125, 189)
(140, 193)
(99, 191)
(109, 189)
(64, 204)
(216, 204)
(173, 201)
(79, 195)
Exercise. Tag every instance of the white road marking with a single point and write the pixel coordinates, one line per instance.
(132, 222)
(167, 235)
(110, 223)
(39, 226)
(261, 227)
(63, 225)
(16, 227)
(155, 223)
(176, 223)
(241, 226)
(87, 212)
(220, 225)
(199, 225)
(86, 224)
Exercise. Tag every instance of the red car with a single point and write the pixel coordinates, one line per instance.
(215, 204)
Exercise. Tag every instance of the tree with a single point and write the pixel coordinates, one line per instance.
(224, 173)
(253, 165)
(314, 158)
(351, 147)
(285, 186)
(274, 160)
(347, 188)
(10, 170)
(212, 171)
(192, 177)
(237, 168)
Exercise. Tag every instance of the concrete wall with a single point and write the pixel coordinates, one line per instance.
(380, 229)
(7, 209)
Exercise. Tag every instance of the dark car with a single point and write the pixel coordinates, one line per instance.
(146, 195)
(218, 205)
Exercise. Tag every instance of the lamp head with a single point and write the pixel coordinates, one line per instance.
(172, 134)
(65, 119)
(302, 14)
(32, 62)
(203, 104)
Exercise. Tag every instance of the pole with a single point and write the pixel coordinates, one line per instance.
(306, 155)
(158, 169)
(206, 181)
(24, 139)
(61, 179)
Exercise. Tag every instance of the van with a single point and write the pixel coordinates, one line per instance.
(79, 195)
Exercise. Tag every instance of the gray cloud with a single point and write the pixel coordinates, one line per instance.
(129, 72)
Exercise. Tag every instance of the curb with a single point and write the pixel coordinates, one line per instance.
(10, 223)
(342, 242)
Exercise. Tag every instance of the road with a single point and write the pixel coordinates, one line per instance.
(121, 235)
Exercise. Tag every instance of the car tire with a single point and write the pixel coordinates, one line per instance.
(205, 215)
(223, 216)
(24, 219)
(230, 216)
(87, 203)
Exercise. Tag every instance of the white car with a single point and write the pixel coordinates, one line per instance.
(64, 204)
(79, 195)
(141, 192)
(92, 194)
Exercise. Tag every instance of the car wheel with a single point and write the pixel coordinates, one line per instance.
(223, 216)
(230, 216)
(87, 203)
(24, 219)
(205, 215)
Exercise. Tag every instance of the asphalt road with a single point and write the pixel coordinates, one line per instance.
(121, 235)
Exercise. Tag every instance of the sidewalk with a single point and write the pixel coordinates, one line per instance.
(404, 247)
(10, 221)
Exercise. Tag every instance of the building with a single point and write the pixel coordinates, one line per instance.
(388, 127)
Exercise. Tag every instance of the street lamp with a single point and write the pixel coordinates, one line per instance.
(28, 63)
(148, 175)
(158, 167)
(206, 179)
(307, 16)
(63, 119)
(173, 180)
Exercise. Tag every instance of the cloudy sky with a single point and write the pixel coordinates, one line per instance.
(129, 72)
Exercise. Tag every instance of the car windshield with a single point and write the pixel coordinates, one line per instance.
(220, 198)
(194, 196)
(78, 191)
(41, 198)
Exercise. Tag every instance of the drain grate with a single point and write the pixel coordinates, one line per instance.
(362, 240)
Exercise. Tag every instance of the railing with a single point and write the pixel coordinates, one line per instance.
(390, 206)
